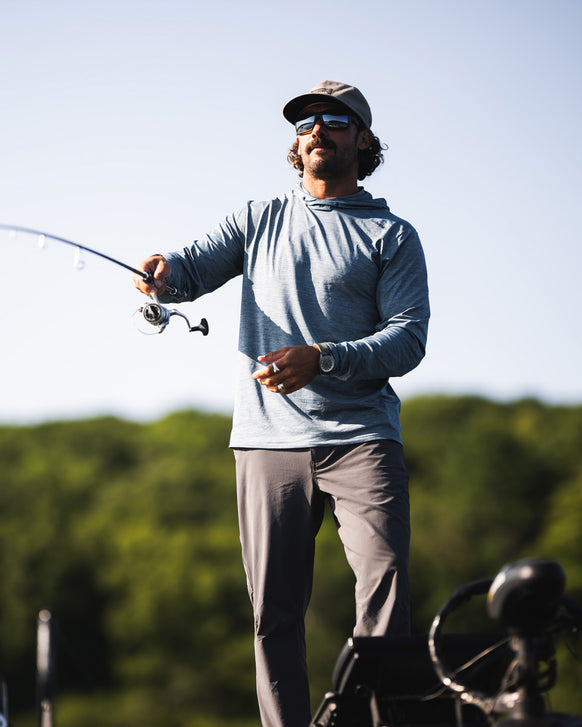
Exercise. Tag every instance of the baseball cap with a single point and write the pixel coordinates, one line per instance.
(348, 96)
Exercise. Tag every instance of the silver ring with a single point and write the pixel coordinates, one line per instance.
(276, 369)
(281, 388)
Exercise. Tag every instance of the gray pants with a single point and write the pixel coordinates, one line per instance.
(281, 497)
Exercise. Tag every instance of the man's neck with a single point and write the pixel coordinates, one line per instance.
(327, 188)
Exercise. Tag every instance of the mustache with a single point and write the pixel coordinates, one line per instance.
(319, 141)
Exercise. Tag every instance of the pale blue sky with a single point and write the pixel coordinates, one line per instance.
(133, 127)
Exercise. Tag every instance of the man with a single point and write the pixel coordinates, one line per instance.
(334, 303)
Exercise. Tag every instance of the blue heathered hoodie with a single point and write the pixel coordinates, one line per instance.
(345, 271)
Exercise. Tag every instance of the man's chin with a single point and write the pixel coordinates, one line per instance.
(322, 168)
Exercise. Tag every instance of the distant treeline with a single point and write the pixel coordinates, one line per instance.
(128, 534)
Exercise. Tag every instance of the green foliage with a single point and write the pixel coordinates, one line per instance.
(128, 534)
(482, 478)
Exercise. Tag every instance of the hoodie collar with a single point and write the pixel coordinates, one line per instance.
(359, 199)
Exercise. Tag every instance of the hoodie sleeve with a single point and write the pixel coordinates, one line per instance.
(398, 344)
(210, 261)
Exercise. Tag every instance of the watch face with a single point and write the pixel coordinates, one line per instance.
(327, 364)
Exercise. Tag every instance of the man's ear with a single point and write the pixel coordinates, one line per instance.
(365, 139)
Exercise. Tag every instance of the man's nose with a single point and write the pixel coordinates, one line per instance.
(319, 128)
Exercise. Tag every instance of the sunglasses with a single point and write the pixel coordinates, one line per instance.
(330, 121)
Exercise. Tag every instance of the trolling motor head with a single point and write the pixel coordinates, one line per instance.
(525, 596)
(528, 599)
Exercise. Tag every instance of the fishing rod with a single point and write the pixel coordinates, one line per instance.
(154, 313)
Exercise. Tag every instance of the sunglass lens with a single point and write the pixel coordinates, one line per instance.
(330, 121)
(336, 121)
(305, 125)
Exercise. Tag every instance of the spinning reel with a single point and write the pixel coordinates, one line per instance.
(159, 316)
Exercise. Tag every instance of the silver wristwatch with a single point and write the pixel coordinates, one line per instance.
(326, 363)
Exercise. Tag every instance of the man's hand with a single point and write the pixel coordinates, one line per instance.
(159, 270)
(290, 369)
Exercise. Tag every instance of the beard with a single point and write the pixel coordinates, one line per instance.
(332, 166)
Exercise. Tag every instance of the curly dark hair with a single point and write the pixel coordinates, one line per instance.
(368, 159)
